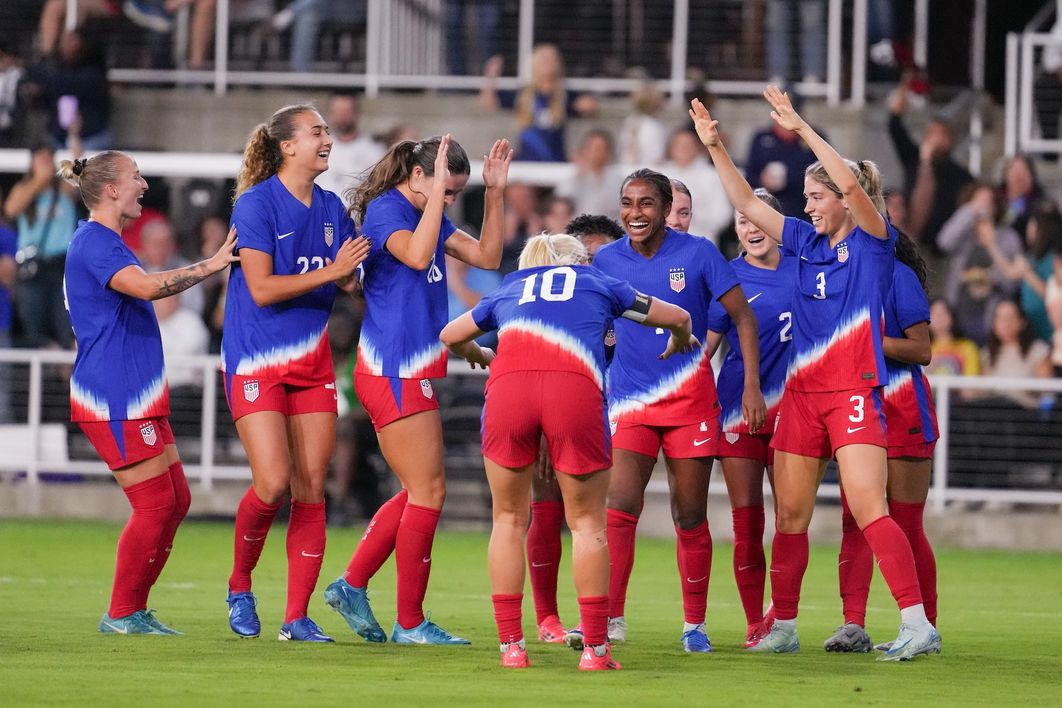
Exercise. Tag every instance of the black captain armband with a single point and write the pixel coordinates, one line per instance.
(639, 311)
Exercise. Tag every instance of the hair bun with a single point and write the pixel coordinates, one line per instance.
(79, 166)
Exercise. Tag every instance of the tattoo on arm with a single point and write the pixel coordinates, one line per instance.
(176, 281)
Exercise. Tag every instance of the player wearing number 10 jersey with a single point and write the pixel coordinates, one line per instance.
(295, 243)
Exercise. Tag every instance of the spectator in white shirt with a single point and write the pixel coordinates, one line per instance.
(595, 186)
(353, 152)
(688, 163)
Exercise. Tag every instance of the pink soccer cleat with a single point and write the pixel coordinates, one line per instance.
(551, 631)
(514, 656)
(592, 660)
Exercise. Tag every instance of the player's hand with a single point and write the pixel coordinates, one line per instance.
(543, 465)
(351, 284)
(753, 409)
(225, 255)
(442, 165)
(496, 164)
(675, 345)
(351, 254)
(477, 355)
(707, 129)
(784, 114)
(492, 68)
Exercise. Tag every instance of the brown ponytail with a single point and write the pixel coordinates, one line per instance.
(397, 165)
(92, 174)
(262, 157)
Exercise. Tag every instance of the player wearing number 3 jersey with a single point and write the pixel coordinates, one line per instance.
(832, 402)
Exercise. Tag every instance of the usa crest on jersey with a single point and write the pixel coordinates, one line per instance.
(842, 253)
(610, 338)
(147, 432)
(426, 389)
(329, 233)
(250, 391)
(677, 279)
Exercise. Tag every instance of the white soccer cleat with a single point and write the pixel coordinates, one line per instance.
(782, 639)
(617, 629)
(914, 639)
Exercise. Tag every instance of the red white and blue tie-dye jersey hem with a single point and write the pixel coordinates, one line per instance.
(118, 373)
(770, 296)
(286, 341)
(907, 398)
(405, 309)
(553, 318)
(838, 307)
(642, 389)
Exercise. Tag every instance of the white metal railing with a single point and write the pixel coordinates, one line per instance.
(1023, 65)
(37, 460)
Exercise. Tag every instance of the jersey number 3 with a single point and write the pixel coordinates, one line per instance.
(547, 289)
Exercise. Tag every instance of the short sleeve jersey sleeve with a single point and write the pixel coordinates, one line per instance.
(795, 235)
(910, 300)
(483, 314)
(252, 217)
(103, 259)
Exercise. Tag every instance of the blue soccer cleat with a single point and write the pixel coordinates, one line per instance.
(353, 604)
(303, 630)
(427, 632)
(136, 623)
(150, 618)
(574, 638)
(243, 618)
(914, 639)
(696, 641)
(782, 639)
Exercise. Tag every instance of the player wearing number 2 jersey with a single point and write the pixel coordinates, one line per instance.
(399, 205)
(296, 243)
(546, 380)
(832, 402)
(668, 404)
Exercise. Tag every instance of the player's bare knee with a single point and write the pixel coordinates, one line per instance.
(790, 519)
(272, 491)
(589, 541)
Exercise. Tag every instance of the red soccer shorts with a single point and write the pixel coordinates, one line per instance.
(122, 443)
(917, 451)
(751, 447)
(248, 394)
(678, 441)
(817, 424)
(386, 398)
(567, 408)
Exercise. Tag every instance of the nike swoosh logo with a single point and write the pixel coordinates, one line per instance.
(426, 559)
(282, 236)
(285, 635)
(774, 570)
(119, 630)
(698, 580)
(539, 565)
(698, 443)
(755, 296)
(330, 386)
(312, 555)
(252, 540)
(805, 258)
(856, 430)
(846, 560)
(747, 567)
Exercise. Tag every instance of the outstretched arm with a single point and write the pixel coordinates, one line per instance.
(133, 281)
(737, 189)
(859, 204)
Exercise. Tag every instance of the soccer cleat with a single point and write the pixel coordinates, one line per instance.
(427, 632)
(243, 618)
(913, 640)
(617, 629)
(149, 617)
(782, 639)
(514, 656)
(151, 15)
(884, 646)
(850, 638)
(551, 631)
(598, 658)
(353, 605)
(696, 641)
(303, 630)
(136, 623)
(754, 634)
(574, 638)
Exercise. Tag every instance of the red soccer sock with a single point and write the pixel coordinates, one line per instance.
(620, 534)
(895, 559)
(253, 519)
(750, 562)
(789, 560)
(508, 614)
(413, 557)
(182, 500)
(544, 555)
(378, 542)
(694, 551)
(593, 618)
(909, 518)
(153, 504)
(306, 546)
(855, 568)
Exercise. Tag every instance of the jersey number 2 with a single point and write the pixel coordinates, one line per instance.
(546, 291)
(306, 263)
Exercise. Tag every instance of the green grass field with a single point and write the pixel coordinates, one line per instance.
(1001, 619)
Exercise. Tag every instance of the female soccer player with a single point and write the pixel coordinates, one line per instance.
(832, 402)
(670, 404)
(547, 380)
(768, 279)
(125, 416)
(296, 245)
(911, 435)
(400, 206)
(681, 207)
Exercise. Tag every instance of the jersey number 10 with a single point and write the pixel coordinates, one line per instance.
(546, 291)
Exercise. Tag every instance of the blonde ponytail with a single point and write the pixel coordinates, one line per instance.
(865, 172)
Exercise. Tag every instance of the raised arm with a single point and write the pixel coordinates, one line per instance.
(487, 250)
(416, 248)
(859, 204)
(737, 188)
(133, 281)
(753, 407)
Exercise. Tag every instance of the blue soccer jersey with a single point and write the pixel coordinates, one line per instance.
(405, 309)
(838, 307)
(553, 318)
(118, 373)
(642, 389)
(908, 408)
(287, 341)
(770, 296)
